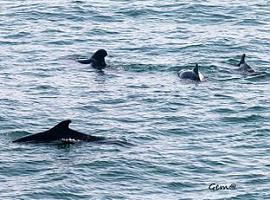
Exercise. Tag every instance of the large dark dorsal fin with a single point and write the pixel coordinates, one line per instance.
(242, 61)
(63, 125)
(196, 69)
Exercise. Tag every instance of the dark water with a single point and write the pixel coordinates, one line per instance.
(183, 136)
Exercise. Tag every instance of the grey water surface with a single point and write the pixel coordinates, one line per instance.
(178, 137)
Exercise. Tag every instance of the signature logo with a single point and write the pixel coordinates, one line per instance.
(216, 187)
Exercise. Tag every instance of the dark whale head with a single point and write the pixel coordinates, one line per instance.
(191, 74)
(100, 54)
(61, 132)
(97, 60)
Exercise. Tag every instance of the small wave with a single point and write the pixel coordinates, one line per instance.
(244, 119)
(18, 35)
(144, 68)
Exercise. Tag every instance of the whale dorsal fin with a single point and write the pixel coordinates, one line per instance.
(63, 124)
(242, 61)
(196, 69)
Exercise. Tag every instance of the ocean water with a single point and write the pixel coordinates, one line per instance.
(178, 137)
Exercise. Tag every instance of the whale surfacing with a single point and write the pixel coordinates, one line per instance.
(193, 75)
(61, 132)
(97, 60)
(243, 66)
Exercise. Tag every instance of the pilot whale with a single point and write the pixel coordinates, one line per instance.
(97, 60)
(243, 66)
(191, 74)
(61, 132)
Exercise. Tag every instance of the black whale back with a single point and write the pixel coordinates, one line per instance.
(59, 132)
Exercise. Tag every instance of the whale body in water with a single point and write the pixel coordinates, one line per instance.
(193, 74)
(97, 60)
(243, 66)
(61, 132)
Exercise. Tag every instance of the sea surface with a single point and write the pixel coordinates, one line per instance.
(173, 138)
